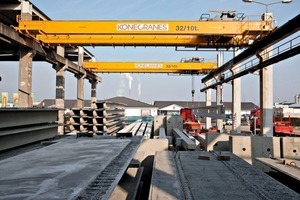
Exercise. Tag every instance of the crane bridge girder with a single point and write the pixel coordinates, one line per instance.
(211, 33)
(151, 67)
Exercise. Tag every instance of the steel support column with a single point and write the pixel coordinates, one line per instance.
(236, 98)
(266, 94)
(60, 90)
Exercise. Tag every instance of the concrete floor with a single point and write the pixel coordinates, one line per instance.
(61, 170)
(92, 167)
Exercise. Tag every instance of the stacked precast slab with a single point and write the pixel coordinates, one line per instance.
(106, 119)
(19, 126)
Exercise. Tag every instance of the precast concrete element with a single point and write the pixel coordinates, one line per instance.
(106, 118)
(219, 91)
(173, 122)
(142, 129)
(187, 143)
(80, 80)
(25, 64)
(162, 135)
(128, 187)
(148, 131)
(21, 136)
(25, 77)
(60, 90)
(23, 126)
(290, 147)
(216, 142)
(93, 93)
(208, 103)
(71, 168)
(183, 175)
(150, 146)
(136, 128)
(159, 121)
(165, 181)
(285, 166)
(266, 94)
(17, 117)
(251, 147)
(126, 131)
(236, 97)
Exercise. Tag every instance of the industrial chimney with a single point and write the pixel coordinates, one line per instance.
(297, 98)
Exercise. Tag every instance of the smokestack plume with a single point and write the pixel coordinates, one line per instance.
(129, 78)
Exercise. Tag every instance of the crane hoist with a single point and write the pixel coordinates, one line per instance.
(209, 33)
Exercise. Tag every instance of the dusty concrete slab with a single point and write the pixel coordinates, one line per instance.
(165, 181)
(59, 171)
(290, 168)
(212, 179)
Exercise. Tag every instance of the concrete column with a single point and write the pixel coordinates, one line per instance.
(80, 80)
(93, 93)
(60, 91)
(236, 98)
(26, 10)
(266, 95)
(219, 92)
(25, 77)
(25, 64)
(208, 103)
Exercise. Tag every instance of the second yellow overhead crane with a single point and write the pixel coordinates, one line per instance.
(209, 33)
(189, 66)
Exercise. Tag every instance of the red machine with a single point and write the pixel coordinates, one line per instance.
(189, 122)
(281, 126)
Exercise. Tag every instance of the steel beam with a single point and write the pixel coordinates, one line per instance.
(282, 32)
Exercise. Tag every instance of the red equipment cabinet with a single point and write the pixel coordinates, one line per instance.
(189, 122)
(281, 126)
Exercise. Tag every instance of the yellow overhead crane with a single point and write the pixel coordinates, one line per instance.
(203, 34)
(191, 66)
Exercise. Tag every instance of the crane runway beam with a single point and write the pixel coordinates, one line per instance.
(151, 67)
(286, 30)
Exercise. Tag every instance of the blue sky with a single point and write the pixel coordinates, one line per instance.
(154, 86)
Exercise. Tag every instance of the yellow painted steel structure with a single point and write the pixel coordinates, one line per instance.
(151, 67)
(210, 33)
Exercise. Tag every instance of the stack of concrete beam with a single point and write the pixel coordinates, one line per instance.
(80, 120)
(113, 117)
(137, 128)
(106, 119)
(19, 126)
